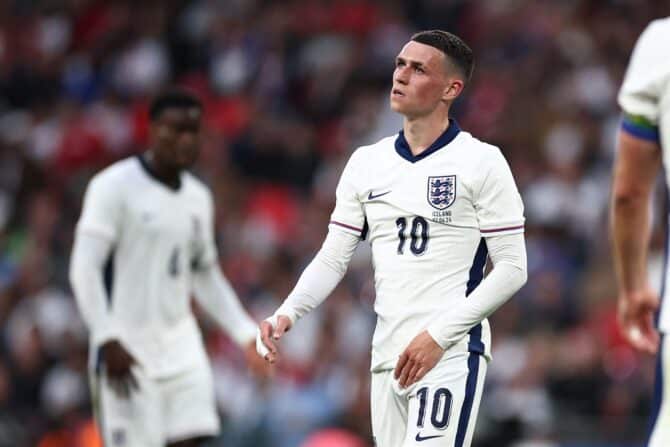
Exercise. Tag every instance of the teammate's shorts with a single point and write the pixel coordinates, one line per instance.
(162, 411)
(439, 410)
(660, 415)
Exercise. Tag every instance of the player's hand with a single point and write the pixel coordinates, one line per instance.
(636, 319)
(118, 366)
(258, 366)
(269, 332)
(417, 359)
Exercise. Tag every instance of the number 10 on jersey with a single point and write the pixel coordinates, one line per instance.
(418, 234)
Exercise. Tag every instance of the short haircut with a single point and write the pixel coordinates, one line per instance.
(173, 98)
(457, 51)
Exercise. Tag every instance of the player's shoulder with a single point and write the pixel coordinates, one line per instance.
(476, 150)
(372, 152)
(656, 35)
(196, 187)
(659, 26)
(117, 175)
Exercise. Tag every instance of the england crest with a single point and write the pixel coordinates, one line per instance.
(441, 191)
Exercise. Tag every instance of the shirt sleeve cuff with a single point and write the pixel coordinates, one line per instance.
(434, 332)
(285, 310)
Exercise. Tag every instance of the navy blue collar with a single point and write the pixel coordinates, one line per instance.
(151, 173)
(403, 149)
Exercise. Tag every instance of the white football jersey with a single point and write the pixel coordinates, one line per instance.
(426, 218)
(159, 236)
(645, 100)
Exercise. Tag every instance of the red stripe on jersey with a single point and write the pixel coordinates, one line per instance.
(346, 226)
(518, 227)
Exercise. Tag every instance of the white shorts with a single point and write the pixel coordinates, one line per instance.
(660, 414)
(162, 411)
(439, 410)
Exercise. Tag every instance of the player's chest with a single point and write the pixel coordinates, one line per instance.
(163, 215)
(439, 192)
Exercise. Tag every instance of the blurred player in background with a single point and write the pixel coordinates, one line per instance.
(434, 203)
(153, 222)
(643, 146)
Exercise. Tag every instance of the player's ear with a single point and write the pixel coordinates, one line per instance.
(453, 89)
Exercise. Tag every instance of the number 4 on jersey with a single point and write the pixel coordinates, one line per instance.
(173, 265)
(418, 235)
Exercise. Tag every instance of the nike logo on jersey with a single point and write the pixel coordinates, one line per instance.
(376, 196)
(420, 438)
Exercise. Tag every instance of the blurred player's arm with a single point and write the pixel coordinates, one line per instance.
(89, 255)
(636, 167)
(217, 297)
(96, 232)
(212, 289)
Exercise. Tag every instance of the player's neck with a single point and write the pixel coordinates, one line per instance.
(162, 172)
(420, 133)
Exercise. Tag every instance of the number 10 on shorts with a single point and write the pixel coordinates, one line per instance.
(439, 410)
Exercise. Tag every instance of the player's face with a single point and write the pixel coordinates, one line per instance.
(176, 136)
(420, 80)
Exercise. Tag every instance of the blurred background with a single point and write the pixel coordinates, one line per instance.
(291, 88)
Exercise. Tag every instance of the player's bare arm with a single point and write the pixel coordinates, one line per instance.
(637, 164)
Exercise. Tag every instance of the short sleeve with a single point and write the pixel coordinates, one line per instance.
(646, 76)
(348, 214)
(103, 207)
(498, 204)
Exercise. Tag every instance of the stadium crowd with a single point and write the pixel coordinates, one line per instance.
(291, 88)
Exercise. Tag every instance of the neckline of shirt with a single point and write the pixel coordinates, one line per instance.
(403, 149)
(151, 173)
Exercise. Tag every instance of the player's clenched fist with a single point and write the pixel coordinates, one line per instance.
(417, 359)
(269, 332)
